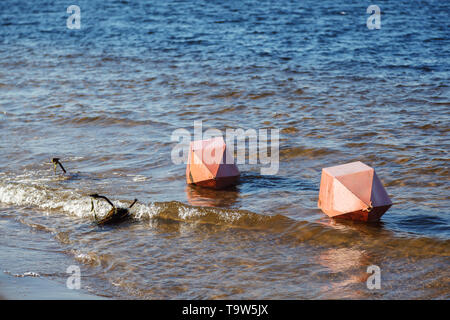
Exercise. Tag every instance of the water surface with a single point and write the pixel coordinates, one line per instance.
(106, 99)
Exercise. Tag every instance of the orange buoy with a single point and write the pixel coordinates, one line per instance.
(211, 165)
(352, 191)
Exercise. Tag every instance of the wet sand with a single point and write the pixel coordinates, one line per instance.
(37, 288)
(23, 275)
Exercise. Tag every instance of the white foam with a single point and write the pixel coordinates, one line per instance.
(87, 258)
(79, 205)
(141, 211)
(25, 274)
(230, 216)
(24, 195)
(138, 178)
(187, 212)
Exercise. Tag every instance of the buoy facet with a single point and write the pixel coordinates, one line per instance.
(352, 191)
(211, 165)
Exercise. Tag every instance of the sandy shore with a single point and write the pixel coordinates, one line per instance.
(38, 288)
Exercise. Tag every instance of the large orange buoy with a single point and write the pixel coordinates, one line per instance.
(352, 191)
(211, 165)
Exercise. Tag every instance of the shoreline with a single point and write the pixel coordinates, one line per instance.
(24, 271)
(38, 288)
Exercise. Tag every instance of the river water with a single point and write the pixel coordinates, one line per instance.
(107, 97)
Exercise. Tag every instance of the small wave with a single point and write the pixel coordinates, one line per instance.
(299, 91)
(105, 120)
(257, 181)
(54, 106)
(89, 258)
(289, 130)
(435, 39)
(226, 95)
(177, 211)
(303, 152)
(79, 205)
(319, 233)
(46, 198)
(23, 275)
(261, 95)
(229, 109)
(138, 178)
(38, 226)
(356, 144)
(423, 220)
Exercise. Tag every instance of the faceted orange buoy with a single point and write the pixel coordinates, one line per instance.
(211, 165)
(352, 191)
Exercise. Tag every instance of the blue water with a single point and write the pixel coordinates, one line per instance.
(107, 97)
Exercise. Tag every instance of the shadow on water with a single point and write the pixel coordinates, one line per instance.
(248, 182)
(204, 197)
(410, 225)
(252, 181)
(419, 222)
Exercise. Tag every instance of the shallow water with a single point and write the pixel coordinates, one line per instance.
(106, 99)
